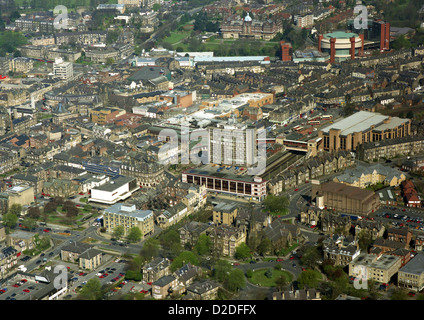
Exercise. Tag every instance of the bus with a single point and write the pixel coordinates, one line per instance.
(314, 122)
(297, 128)
(327, 117)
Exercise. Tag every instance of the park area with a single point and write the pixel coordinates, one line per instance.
(270, 277)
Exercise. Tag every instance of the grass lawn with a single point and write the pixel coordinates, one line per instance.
(259, 277)
(44, 116)
(284, 252)
(176, 36)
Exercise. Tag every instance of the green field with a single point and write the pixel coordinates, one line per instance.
(176, 36)
(259, 277)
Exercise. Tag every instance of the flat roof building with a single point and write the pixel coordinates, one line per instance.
(230, 181)
(370, 267)
(128, 216)
(411, 276)
(344, 198)
(361, 127)
(114, 190)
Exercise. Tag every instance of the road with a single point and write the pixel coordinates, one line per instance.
(153, 36)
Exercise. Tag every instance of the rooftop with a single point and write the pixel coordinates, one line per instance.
(129, 210)
(415, 265)
(362, 121)
(340, 35)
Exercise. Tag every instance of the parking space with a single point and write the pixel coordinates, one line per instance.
(108, 274)
(401, 217)
(19, 289)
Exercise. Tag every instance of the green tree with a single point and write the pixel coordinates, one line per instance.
(91, 291)
(222, 270)
(170, 243)
(280, 282)
(308, 278)
(110, 61)
(14, 15)
(134, 235)
(118, 232)
(183, 258)
(268, 273)
(15, 208)
(43, 243)
(156, 7)
(310, 257)
(364, 239)
(249, 273)
(29, 223)
(242, 251)
(112, 36)
(133, 275)
(10, 220)
(150, 249)
(203, 245)
(135, 263)
(264, 246)
(276, 204)
(235, 280)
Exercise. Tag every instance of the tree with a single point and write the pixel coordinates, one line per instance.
(43, 243)
(50, 207)
(118, 232)
(399, 294)
(280, 282)
(72, 211)
(133, 275)
(349, 107)
(235, 281)
(222, 270)
(68, 204)
(112, 36)
(311, 256)
(203, 245)
(14, 15)
(91, 291)
(29, 223)
(364, 239)
(276, 204)
(169, 237)
(135, 263)
(264, 246)
(10, 220)
(410, 114)
(110, 61)
(401, 42)
(34, 212)
(268, 273)
(308, 278)
(150, 248)
(15, 208)
(134, 234)
(59, 201)
(184, 258)
(242, 251)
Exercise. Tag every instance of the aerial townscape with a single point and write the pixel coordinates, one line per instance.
(214, 150)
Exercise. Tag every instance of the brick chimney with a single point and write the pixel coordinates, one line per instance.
(332, 50)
